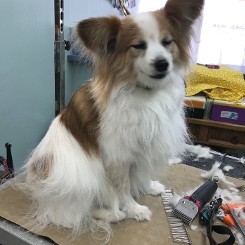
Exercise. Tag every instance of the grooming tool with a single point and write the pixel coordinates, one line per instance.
(7, 164)
(238, 222)
(3, 162)
(207, 217)
(207, 214)
(121, 4)
(189, 206)
(177, 227)
(227, 215)
(9, 159)
(210, 66)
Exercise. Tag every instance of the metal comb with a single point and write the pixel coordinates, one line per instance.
(178, 230)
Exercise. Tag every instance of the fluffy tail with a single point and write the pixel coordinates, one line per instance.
(63, 182)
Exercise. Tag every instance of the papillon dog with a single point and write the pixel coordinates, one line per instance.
(122, 126)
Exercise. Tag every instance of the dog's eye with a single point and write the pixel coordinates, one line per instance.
(166, 42)
(141, 45)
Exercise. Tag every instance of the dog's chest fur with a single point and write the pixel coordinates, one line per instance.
(143, 125)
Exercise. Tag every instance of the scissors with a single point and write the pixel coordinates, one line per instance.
(227, 215)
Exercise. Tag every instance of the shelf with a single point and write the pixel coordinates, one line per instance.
(212, 133)
(216, 124)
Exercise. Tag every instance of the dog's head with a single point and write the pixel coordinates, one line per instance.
(143, 48)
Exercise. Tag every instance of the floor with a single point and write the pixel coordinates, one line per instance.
(237, 164)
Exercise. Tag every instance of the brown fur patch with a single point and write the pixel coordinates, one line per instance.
(98, 34)
(81, 118)
(183, 13)
(42, 168)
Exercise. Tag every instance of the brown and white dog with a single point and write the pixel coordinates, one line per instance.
(104, 148)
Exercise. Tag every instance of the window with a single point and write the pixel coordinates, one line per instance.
(146, 5)
(222, 38)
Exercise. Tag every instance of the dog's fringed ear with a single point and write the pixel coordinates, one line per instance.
(182, 13)
(99, 34)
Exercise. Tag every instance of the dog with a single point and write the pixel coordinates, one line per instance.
(103, 150)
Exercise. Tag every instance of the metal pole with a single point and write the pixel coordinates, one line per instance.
(59, 56)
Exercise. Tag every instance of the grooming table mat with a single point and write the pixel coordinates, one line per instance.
(14, 205)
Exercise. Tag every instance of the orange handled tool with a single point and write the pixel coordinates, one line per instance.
(227, 215)
(232, 206)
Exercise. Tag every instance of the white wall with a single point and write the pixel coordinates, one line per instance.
(75, 11)
(26, 74)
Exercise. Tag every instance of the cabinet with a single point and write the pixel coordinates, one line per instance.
(212, 133)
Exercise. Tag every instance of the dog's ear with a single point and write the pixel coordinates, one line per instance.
(99, 34)
(182, 13)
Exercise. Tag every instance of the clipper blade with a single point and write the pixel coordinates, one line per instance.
(185, 210)
(179, 232)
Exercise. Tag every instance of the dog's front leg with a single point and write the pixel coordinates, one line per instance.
(120, 180)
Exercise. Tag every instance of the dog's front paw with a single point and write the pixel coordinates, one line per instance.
(119, 216)
(138, 212)
(109, 215)
(156, 188)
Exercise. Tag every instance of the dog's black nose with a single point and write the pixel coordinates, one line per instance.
(161, 65)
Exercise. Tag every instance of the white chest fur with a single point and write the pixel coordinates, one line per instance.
(143, 125)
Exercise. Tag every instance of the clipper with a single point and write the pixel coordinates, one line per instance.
(189, 206)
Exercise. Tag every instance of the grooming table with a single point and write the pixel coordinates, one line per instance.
(14, 205)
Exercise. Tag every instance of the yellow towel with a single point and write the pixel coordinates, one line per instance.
(223, 83)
